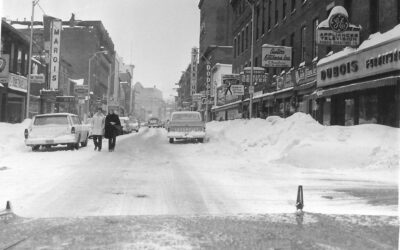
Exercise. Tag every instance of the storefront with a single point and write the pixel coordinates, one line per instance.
(362, 86)
(229, 111)
(16, 98)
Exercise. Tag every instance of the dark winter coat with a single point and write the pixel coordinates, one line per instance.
(112, 130)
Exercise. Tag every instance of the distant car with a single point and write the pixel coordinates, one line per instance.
(154, 123)
(126, 128)
(186, 125)
(56, 129)
(135, 126)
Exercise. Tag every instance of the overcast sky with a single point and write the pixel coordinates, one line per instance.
(161, 33)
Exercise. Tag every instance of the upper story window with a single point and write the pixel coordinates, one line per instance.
(315, 46)
(303, 43)
(374, 15)
(269, 14)
(276, 12)
(19, 61)
(247, 37)
(284, 9)
(293, 5)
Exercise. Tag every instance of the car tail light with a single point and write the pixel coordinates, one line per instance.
(26, 133)
(73, 130)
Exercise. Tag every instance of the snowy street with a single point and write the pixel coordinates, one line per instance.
(343, 172)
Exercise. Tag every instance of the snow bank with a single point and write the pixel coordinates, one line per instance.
(12, 137)
(302, 142)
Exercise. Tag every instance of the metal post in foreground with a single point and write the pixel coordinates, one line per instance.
(28, 87)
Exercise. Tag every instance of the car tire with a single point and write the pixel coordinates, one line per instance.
(76, 145)
(171, 140)
(84, 144)
(201, 140)
(35, 148)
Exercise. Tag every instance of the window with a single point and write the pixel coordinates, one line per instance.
(293, 5)
(269, 14)
(242, 47)
(283, 42)
(276, 11)
(314, 31)
(284, 10)
(51, 120)
(263, 17)
(303, 43)
(19, 61)
(234, 47)
(374, 15)
(256, 24)
(292, 45)
(256, 62)
(347, 5)
(368, 109)
(247, 37)
(239, 45)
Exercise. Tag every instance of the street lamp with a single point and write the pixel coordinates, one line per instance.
(90, 62)
(252, 4)
(28, 87)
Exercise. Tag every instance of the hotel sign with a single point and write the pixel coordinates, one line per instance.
(56, 26)
(367, 62)
(276, 56)
(193, 72)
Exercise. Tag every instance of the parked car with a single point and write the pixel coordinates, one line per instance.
(186, 125)
(56, 129)
(126, 128)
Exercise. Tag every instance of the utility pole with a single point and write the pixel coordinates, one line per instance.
(252, 5)
(28, 89)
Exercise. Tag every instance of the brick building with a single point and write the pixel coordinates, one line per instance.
(293, 23)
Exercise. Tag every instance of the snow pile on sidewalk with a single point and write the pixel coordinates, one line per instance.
(301, 141)
(12, 137)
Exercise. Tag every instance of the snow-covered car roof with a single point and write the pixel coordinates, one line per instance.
(54, 114)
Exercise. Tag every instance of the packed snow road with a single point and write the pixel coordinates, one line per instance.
(148, 176)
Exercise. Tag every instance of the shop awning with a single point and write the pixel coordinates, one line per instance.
(305, 88)
(284, 93)
(388, 81)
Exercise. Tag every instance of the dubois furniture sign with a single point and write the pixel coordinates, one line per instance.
(371, 61)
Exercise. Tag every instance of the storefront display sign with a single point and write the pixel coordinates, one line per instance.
(4, 65)
(336, 30)
(367, 62)
(17, 82)
(276, 56)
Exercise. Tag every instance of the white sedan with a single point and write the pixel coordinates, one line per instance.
(56, 129)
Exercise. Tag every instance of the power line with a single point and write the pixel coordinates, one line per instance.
(41, 8)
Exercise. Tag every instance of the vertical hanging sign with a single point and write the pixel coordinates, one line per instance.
(55, 53)
(193, 72)
(208, 78)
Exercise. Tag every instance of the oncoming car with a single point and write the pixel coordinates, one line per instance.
(56, 129)
(154, 123)
(186, 125)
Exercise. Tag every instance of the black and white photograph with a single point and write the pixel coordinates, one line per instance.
(199, 124)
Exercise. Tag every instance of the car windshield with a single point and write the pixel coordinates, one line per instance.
(51, 120)
(186, 117)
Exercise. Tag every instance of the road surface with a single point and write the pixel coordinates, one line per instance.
(148, 176)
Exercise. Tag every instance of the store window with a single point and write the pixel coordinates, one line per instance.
(349, 112)
(368, 109)
(19, 61)
(326, 112)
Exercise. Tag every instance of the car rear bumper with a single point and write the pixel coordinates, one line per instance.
(50, 141)
(186, 135)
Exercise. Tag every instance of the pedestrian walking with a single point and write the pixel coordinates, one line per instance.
(112, 128)
(98, 123)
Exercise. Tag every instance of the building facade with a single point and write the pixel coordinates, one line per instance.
(293, 87)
